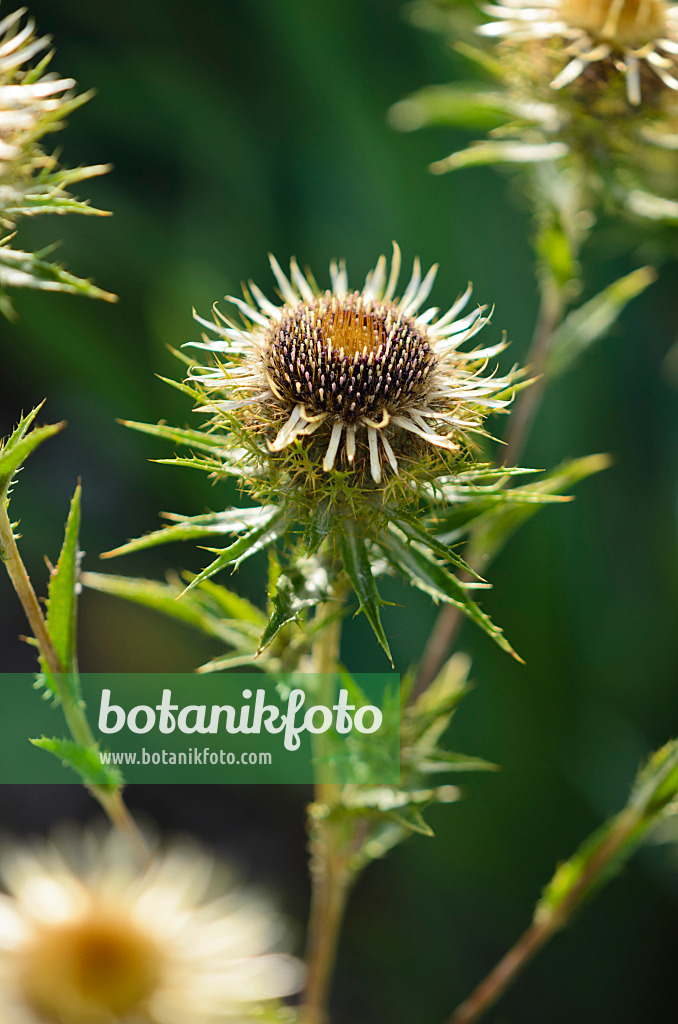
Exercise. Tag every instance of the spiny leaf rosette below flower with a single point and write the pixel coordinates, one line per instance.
(598, 39)
(356, 385)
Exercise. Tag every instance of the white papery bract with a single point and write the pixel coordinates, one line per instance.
(638, 38)
(363, 371)
(90, 936)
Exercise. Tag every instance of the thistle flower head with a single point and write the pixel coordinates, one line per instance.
(638, 38)
(361, 383)
(90, 937)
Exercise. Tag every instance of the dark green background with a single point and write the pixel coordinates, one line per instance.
(236, 128)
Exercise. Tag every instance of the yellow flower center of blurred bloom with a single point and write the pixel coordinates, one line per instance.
(624, 23)
(88, 971)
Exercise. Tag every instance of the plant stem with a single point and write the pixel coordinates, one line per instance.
(551, 309)
(449, 619)
(330, 876)
(9, 553)
(547, 922)
(74, 713)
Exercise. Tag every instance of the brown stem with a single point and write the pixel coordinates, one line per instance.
(449, 619)
(9, 553)
(523, 414)
(329, 875)
(331, 884)
(546, 923)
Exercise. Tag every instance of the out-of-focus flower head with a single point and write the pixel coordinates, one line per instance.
(588, 88)
(598, 39)
(89, 935)
(34, 102)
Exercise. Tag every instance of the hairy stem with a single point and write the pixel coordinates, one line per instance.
(330, 877)
(74, 713)
(547, 921)
(449, 619)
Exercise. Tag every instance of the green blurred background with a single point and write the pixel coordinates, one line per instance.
(237, 128)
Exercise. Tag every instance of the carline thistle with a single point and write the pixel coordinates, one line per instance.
(362, 379)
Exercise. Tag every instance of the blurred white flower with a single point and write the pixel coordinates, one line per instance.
(90, 936)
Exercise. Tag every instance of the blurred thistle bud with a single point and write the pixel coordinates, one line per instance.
(590, 86)
(34, 103)
(595, 41)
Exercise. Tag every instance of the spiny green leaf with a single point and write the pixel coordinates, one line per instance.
(21, 428)
(27, 270)
(490, 532)
(83, 760)
(604, 852)
(357, 567)
(62, 600)
(185, 389)
(193, 438)
(415, 531)
(163, 597)
(286, 607)
(303, 586)
(431, 577)
(232, 605)
(19, 446)
(230, 661)
(212, 465)
(193, 528)
(592, 321)
(243, 548)
(37, 204)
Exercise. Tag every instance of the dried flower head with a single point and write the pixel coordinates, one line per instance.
(638, 38)
(87, 936)
(360, 382)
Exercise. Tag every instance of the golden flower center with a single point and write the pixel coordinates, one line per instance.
(355, 329)
(90, 970)
(349, 357)
(631, 23)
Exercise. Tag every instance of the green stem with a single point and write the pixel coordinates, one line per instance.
(74, 713)
(330, 876)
